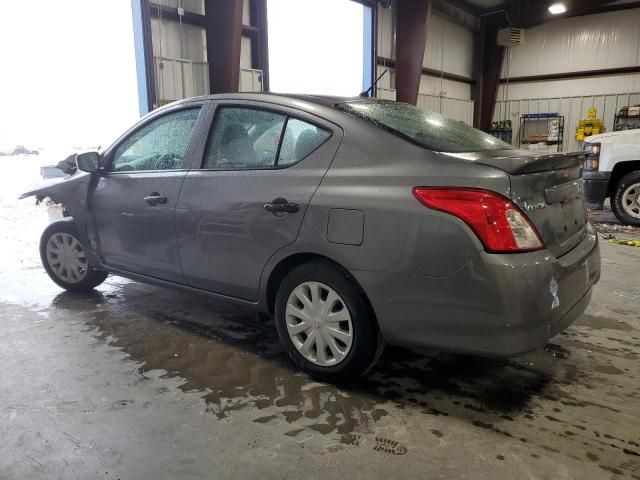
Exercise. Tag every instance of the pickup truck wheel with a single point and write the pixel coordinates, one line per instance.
(325, 323)
(626, 199)
(64, 259)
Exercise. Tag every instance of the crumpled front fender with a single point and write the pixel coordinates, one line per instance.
(72, 193)
(69, 191)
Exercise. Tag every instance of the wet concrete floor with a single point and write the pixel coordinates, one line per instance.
(139, 382)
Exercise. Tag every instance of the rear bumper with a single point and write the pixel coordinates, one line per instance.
(496, 305)
(596, 186)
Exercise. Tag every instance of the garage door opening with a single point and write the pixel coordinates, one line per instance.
(321, 47)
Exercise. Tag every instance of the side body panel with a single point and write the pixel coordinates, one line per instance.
(225, 234)
(374, 173)
(131, 234)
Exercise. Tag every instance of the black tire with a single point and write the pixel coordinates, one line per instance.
(617, 201)
(367, 343)
(92, 276)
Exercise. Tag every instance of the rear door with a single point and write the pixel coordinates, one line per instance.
(133, 203)
(247, 194)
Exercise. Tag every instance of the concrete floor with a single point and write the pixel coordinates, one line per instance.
(138, 382)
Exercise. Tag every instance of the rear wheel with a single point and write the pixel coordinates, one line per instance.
(626, 199)
(64, 259)
(325, 323)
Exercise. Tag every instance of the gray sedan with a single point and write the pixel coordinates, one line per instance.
(354, 222)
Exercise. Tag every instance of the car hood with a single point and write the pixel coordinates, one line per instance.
(517, 162)
(70, 191)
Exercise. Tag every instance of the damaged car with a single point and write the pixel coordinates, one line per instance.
(353, 222)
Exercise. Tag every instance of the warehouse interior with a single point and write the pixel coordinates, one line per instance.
(567, 63)
(138, 381)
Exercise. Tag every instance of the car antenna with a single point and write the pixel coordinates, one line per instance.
(366, 92)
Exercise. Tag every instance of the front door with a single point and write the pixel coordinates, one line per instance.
(248, 196)
(133, 203)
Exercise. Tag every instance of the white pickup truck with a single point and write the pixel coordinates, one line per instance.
(612, 170)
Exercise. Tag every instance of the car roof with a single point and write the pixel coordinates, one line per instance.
(300, 101)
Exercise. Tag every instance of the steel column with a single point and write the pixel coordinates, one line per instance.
(488, 57)
(224, 34)
(411, 25)
(260, 42)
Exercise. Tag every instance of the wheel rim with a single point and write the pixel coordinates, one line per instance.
(319, 324)
(631, 200)
(66, 257)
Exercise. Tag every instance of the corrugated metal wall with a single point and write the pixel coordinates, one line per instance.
(606, 40)
(592, 42)
(449, 49)
(180, 56)
(572, 108)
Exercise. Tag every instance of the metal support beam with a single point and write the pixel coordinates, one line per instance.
(577, 74)
(411, 25)
(260, 41)
(224, 34)
(391, 63)
(488, 56)
(144, 56)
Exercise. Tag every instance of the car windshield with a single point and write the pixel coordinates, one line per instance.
(427, 129)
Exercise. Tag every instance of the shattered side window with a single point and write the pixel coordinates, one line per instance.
(159, 145)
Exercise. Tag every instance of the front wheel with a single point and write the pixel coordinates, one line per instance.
(64, 259)
(325, 323)
(626, 199)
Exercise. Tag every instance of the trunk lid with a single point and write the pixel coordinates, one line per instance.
(550, 191)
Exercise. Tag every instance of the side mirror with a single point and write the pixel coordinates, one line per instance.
(88, 161)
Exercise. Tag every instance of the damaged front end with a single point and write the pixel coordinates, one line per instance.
(71, 192)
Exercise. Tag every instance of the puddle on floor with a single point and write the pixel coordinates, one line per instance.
(235, 360)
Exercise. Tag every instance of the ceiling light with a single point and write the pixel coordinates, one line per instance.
(557, 8)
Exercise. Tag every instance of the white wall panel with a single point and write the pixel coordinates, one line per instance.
(245, 53)
(606, 40)
(246, 12)
(429, 85)
(166, 41)
(194, 6)
(177, 79)
(449, 46)
(250, 80)
(573, 108)
(386, 33)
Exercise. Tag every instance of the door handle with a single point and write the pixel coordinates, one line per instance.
(155, 198)
(280, 205)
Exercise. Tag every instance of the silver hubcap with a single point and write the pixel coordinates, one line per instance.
(66, 258)
(631, 200)
(319, 323)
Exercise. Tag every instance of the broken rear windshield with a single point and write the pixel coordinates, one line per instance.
(427, 129)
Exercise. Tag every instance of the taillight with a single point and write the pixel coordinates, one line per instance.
(499, 224)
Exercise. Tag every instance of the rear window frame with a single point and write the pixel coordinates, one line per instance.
(342, 107)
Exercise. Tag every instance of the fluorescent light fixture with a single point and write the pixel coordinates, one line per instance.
(557, 8)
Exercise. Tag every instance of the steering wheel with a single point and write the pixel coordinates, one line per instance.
(167, 161)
